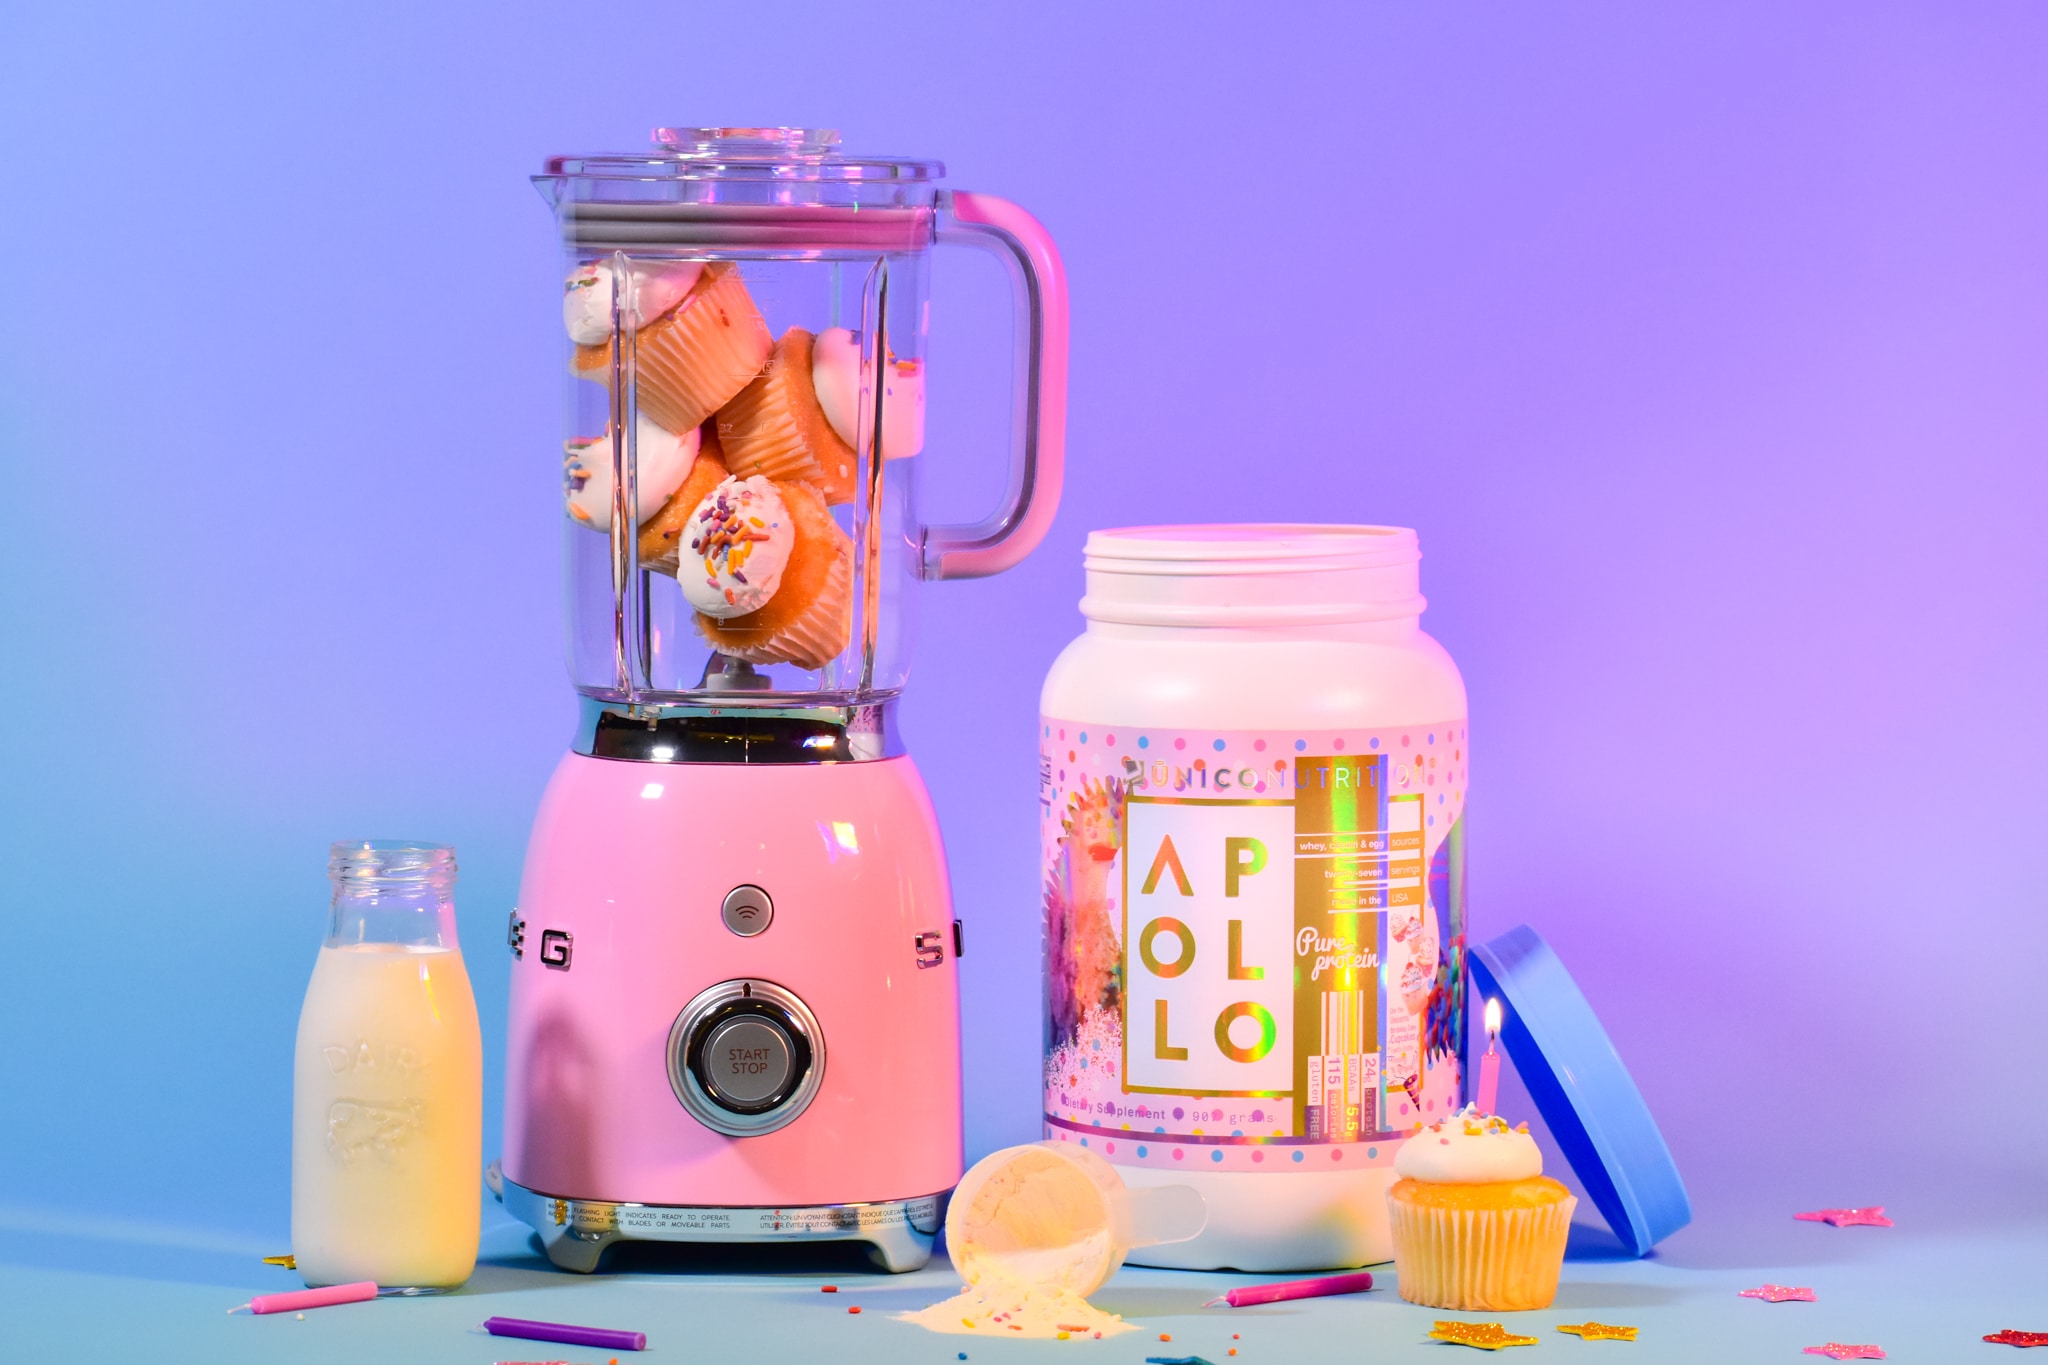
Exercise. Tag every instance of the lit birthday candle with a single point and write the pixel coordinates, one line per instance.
(1489, 1065)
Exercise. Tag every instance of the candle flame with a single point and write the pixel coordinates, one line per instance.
(1492, 1019)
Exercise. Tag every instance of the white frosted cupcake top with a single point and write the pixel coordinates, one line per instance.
(839, 381)
(664, 459)
(740, 540)
(1469, 1148)
(587, 297)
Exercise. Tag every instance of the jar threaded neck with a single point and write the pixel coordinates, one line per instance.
(368, 866)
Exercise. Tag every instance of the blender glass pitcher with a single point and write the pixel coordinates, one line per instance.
(745, 312)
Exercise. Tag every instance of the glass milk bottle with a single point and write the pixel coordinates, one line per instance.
(387, 1082)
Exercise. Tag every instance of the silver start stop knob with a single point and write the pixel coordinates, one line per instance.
(745, 1057)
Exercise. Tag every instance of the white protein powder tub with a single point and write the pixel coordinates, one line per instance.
(1252, 787)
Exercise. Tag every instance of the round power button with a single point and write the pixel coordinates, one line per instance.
(747, 910)
(748, 1063)
(746, 1057)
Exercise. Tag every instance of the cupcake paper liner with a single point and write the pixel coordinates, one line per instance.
(692, 361)
(1480, 1260)
(810, 639)
(776, 427)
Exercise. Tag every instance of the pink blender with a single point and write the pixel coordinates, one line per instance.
(734, 1006)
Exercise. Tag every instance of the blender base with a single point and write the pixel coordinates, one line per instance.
(575, 1233)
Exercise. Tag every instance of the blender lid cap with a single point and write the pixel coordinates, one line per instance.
(1582, 1090)
(743, 153)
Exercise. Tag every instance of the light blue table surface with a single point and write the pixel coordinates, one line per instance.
(117, 1291)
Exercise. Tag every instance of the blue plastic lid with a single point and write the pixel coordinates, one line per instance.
(1582, 1090)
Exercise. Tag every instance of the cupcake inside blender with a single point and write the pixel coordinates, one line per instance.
(763, 564)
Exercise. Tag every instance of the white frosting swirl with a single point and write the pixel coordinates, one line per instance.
(664, 462)
(658, 286)
(740, 539)
(1469, 1148)
(840, 382)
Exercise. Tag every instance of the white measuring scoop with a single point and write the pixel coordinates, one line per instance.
(1056, 1214)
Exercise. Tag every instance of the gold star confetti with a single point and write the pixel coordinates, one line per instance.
(1599, 1331)
(1486, 1336)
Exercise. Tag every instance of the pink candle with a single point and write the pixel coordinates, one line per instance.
(1489, 1065)
(1247, 1295)
(292, 1300)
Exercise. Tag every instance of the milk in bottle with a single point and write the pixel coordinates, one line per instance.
(387, 1094)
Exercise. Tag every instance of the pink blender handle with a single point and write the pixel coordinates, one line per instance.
(1039, 445)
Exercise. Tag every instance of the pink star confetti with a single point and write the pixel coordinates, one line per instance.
(1848, 1218)
(1778, 1293)
(2013, 1336)
(1835, 1350)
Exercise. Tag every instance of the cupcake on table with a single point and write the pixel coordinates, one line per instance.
(1477, 1225)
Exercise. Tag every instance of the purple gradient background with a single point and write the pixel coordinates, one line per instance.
(1707, 347)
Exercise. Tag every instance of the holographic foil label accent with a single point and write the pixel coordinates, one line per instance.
(1254, 941)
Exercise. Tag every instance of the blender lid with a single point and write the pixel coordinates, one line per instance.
(1582, 1090)
(743, 154)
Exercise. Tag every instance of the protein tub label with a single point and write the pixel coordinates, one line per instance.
(1254, 941)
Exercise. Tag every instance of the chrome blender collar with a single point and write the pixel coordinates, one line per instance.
(762, 730)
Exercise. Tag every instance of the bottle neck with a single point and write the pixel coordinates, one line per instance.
(1294, 581)
(395, 894)
(1399, 631)
(400, 918)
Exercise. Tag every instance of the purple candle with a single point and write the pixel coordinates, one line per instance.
(564, 1333)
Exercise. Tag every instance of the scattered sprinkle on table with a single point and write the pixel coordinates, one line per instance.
(828, 1289)
(1483, 1336)
(2013, 1336)
(1872, 1217)
(1778, 1293)
(1835, 1350)
(1598, 1331)
(1166, 1336)
(853, 1308)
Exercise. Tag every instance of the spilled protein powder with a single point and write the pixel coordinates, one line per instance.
(1013, 1308)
